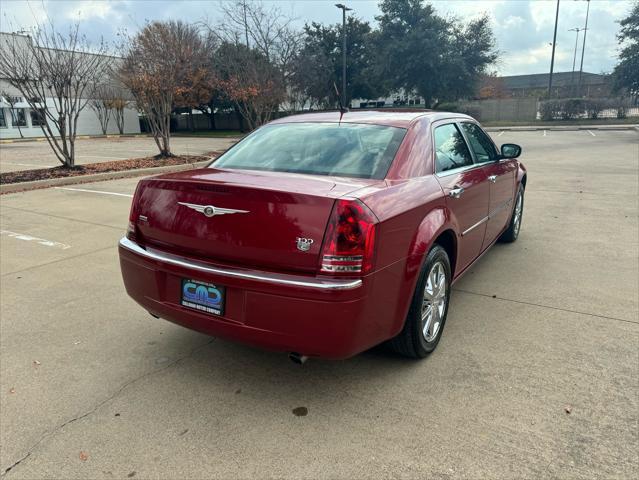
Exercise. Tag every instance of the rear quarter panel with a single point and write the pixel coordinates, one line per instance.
(412, 213)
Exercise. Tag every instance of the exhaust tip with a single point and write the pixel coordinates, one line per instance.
(297, 358)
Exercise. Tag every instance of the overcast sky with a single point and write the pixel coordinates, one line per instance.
(523, 28)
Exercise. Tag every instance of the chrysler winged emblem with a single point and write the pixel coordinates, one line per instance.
(210, 210)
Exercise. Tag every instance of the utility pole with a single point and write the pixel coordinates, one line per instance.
(583, 48)
(344, 9)
(574, 60)
(552, 59)
(245, 24)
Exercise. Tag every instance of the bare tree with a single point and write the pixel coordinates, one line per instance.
(267, 30)
(11, 100)
(61, 67)
(162, 64)
(119, 103)
(101, 104)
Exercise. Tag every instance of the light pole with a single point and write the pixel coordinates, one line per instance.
(552, 58)
(574, 60)
(583, 48)
(344, 9)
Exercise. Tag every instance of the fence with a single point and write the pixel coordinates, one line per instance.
(531, 109)
(502, 109)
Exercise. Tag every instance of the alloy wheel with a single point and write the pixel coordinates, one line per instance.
(518, 208)
(435, 301)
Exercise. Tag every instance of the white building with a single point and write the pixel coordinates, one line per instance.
(17, 119)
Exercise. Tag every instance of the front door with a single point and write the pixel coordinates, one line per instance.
(501, 177)
(466, 187)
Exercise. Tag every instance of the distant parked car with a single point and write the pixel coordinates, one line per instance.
(325, 234)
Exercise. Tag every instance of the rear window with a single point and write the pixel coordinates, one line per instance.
(342, 150)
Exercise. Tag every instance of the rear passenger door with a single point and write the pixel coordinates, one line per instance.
(501, 177)
(466, 187)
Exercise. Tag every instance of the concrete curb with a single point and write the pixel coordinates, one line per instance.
(98, 177)
(79, 137)
(561, 128)
(112, 136)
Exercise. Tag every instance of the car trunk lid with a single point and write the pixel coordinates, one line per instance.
(258, 219)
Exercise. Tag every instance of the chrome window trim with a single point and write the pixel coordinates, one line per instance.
(453, 171)
(273, 278)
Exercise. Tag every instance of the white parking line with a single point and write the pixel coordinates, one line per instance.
(500, 133)
(591, 133)
(99, 192)
(29, 238)
(544, 133)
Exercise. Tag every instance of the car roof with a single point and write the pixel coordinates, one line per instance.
(388, 116)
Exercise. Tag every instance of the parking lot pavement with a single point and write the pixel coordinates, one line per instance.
(38, 154)
(93, 387)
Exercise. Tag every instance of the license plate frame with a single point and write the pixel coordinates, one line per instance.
(203, 297)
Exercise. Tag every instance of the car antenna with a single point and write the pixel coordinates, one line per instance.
(342, 109)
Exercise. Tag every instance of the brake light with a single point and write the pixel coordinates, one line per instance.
(349, 239)
(131, 229)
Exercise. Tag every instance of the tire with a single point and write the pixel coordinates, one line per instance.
(512, 232)
(413, 341)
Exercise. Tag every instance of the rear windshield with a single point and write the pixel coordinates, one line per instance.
(343, 150)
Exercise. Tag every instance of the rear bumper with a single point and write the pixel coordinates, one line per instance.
(311, 315)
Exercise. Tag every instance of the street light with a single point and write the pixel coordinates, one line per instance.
(574, 59)
(552, 58)
(583, 48)
(344, 9)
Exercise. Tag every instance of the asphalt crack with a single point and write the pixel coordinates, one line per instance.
(100, 404)
(546, 306)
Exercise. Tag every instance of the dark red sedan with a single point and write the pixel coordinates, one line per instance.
(325, 234)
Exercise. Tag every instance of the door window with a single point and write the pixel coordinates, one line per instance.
(451, 149)
(480, 143)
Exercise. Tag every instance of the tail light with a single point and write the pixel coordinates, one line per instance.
(131, 229)
(349, 239)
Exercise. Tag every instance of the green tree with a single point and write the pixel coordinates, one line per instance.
(626, 73)
(250, 81)
(319, 63)
(437, 58)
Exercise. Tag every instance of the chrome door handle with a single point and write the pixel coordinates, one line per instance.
(456, 192)
(493, 178)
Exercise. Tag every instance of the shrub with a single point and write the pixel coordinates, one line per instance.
(594, 107)
(622, 111)
(572, 108)
(549, 109)
(448, 106)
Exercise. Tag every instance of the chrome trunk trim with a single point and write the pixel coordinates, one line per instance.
(273, 278)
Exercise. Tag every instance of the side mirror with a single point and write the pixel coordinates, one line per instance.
(510, 150)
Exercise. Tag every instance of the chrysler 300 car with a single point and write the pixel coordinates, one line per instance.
(325, 234)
